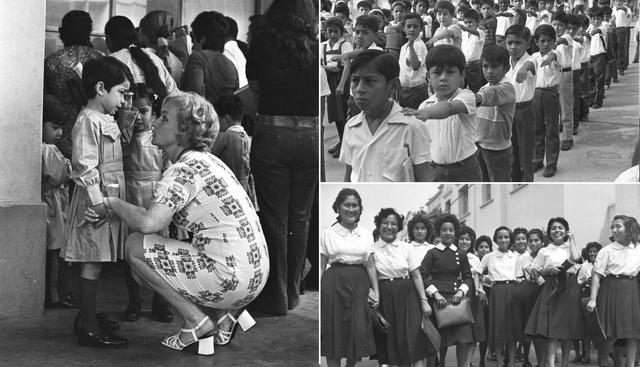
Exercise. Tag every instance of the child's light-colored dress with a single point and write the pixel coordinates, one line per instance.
(56, 171)
(96, 161)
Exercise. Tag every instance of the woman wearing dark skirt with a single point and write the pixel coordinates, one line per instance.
(346, 330)
(557, 313)
(402, 299)
(447, 275)
(504, 317)
(614, 289)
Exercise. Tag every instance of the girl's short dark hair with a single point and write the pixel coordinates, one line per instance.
(445, 5)
(198, 124)
(445, 55)
(334, 22)
(143, 91)
(503, 228)
(446, 218)
(545, 30)
(560, 220)
(481, 239)
(588, 247)
(472, 14)
(52, 110)
(518, 231)
(631, 227)
(75, 28)
(467, 230)
(519, 31)
(496, 55)
(382, 62)
(108, 70)
(420, 217)
(385, 212)
(342, 196)
(213, 26)
(537, 231)
(341, 8)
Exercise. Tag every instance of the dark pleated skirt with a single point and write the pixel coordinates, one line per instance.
(505, 317)
(454, 334)
(346, 330)
(526, 295)
(405, 342)
(479, 322)
(557, 315)
(619, 308)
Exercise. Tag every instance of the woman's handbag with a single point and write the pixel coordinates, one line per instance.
(380, 324)
(453, 315)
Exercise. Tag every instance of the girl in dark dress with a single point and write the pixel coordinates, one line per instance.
(448, 279)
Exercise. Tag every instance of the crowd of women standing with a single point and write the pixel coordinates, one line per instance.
(522, 286)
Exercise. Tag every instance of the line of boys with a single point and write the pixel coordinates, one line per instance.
(498, 143)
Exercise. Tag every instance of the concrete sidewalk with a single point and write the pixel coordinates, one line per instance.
(48, 340)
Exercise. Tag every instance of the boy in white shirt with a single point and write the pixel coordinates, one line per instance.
(380, 143)
(576, 66)
(450, 116)
(449, 33)
(597, 53)
(585, 39)
(564, 48)
(622, 19)
(413, 72)
(544, 14)
(506, 18)
(472, 45)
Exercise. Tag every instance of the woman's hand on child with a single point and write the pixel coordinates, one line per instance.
(95, 213)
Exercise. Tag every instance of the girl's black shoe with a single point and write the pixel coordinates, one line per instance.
(132, 313)
(99, 339)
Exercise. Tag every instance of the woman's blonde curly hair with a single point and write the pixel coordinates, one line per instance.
(198, 124)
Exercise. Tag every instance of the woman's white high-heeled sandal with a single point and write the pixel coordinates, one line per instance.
(205, 342)
(246, 322)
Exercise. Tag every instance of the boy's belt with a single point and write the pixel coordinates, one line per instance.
(550, 89)
(521, 105)
(454, 164)
(566, 69)
(289, 121)
(414, 88)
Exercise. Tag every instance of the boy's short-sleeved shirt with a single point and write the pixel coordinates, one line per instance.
(532, 23)
(456, 40)
(379, 157)
(489, 24)
(408, 76)
(586, 46)
(526, 89)
(454, 137)
(597, 46)
(565, 52)
(494, 123)
(472, 45)
(548, 75)
(544, 16)
(577, 56)
(504, 23)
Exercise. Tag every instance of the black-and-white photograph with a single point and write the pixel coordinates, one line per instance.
(158, 175)
(479, 274)
(480, 90)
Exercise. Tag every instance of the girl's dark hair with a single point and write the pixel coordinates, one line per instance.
(420, 217)
(631, 227)
(342, 196)
(446, 218)
(52, 111)
(334, 22)
(232, 28)
(518, 31)
(537, 231)
(143, 91)
(213, 26)
(385, 212)
(122, 34)
(503, 228)
(380, 61)
(108, 70)
(158, 24)
(590, 245)
(466, 230)
(75, 29)
(561, 221)
(482, 239)
(518, 231)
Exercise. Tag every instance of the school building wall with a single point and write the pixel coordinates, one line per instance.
(22, 215)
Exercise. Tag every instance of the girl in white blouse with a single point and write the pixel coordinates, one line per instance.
(557, 315)
(346, 329)
(614, 288)
(419, 229)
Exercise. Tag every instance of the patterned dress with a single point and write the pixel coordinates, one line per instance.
(227, 263)
(63, 82)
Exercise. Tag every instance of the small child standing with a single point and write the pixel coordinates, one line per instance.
(96, 163)
(598, 58)
(422, 7)
(564, 50)
(449, 33)
(547, 101)
(451, 118)
(413, 86)
(497, 104)
(232, 144)
(381, 144)
(394, 31)
(472, 45)
(56, 172)
(576, 67)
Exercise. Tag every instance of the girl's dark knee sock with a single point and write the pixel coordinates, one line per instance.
(87, 304)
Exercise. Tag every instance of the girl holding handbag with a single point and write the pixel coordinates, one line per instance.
(402, 299)
(505, 322)
(448, 279)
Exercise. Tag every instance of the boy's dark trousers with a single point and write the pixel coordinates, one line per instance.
(547, 117)
(496, 165)
(412, 96)
(577, 89)
(466, 170)
(622, 38)
(336, 104)
(598, 66)
(585, 90)
(523, 137)
(473, 77)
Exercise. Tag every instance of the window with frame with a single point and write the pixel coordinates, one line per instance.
(447, 206)
(463, 200)
(486, 193)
